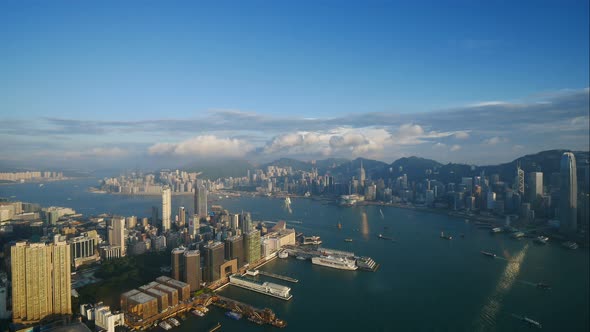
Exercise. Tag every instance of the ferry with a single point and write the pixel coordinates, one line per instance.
(445, 237)
(496, 230)
(283, 254)
(347, 240)
(341, 263)
(541, 239)
(173, 321)
(570, 245)
(233, 315)
(489, 254)
(165, 325)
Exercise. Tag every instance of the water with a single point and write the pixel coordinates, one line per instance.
(424, 283)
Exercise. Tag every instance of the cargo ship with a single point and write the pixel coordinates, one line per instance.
(341, 263)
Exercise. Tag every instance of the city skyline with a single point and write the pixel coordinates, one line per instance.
(168, 85)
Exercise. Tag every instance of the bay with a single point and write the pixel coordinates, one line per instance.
(424, 283)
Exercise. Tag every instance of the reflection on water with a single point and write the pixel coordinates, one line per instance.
(487, 317)
(364, 225)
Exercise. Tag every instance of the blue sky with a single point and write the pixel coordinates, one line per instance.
(190, 63)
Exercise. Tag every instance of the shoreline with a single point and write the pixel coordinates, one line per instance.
(39, 181)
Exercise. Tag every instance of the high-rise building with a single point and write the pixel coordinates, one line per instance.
(193, 225)
(186, 267)
(200, 200)
(116, 233)
(568, 194)
(181, 216)
(214, 258)
(519, 181)
(155, 215)
(246, 222)
(166, 208)
(41, 280)
(535, 187)
(252, 246)
(84, 248)
(234, 248)
(362, 174)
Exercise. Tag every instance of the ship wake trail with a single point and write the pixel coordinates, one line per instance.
(487, 317)
(527, 283)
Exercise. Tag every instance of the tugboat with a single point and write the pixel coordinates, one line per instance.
(445, 237)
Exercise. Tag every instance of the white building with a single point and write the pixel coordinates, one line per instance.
(166, 208)
(107, 320)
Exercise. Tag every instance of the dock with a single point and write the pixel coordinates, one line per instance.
(278, 276)
(255, 315)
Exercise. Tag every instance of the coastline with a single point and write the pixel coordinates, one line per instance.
(38, 181)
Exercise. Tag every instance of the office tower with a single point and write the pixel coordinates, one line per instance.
(234, 248)
(131, 222)
(362, 174)
(214, 258)
(116, 233)
(535, 187)
(193, 226)
(234, 221)
(181, 216)
(41, 281)
(568, 194)
(166, 208)
(84, 248)
(519, 181)
(155, 216)
(252, 246)
(186, 267)
(200, 200)
(246, 222)
(192, 269)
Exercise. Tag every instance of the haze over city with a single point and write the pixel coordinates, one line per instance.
(117, 84)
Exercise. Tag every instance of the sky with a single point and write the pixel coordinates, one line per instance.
(164, 83)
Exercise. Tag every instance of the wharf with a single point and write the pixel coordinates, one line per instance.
(278, 276)
(258, 316)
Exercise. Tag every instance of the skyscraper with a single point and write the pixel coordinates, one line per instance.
(116, 233)
(181, 216)
(535, 185)
(568, 194)
(234, 248)
(200, 200)
(41, 281)
(214, 258)
(186, 267)
(362, 174)
(252, 246)
(193, 225)
(519, 181)
(246, 222)
(166, 208)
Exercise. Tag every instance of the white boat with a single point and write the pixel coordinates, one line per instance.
(496, 230)
(517, 235)
(341, 263)
(570, 245)
(198, 313)
(541, 239)
(173, 321)
(283, 254)
(165, 325)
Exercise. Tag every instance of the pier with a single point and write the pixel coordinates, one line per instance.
(266, 288)
(278, 276)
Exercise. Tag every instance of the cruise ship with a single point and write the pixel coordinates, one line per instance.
(341, 263)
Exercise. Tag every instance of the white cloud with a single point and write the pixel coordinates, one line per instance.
(488, 103)
(462, 135)
(495, 140)
(455, 147)
(206, 145)
(439, 145)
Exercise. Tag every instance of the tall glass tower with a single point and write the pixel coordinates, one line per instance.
(568, 194)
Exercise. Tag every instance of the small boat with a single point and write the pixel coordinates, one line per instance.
(339, 225)
(347, 240)
(233, 315)
(383, 237)
(570, 245)
(544, 286)
(541, 239)
(445, 237)
(382, 215)
(173, 321)
(283, 254)
(496, 230)
(532, 322)
(165, 325)
(517, 235)
(198, 313)
(41, 185)
(301, 258)
(489, 254)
